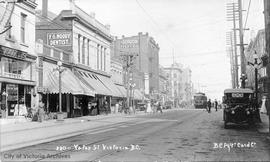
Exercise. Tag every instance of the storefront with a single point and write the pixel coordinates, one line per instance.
(75, 94)
(16, 82)
(103, 95)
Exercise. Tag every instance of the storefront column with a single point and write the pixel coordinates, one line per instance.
(68, 103)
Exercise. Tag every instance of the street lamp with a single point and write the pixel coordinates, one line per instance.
(60, 69)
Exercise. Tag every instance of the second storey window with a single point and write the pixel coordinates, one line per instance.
(83, 50)
(23, 20)
(88, 52)
(79, 48)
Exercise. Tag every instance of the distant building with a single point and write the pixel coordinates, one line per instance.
(187, 85)
(174, 74)
(145, 68)
(163, 85)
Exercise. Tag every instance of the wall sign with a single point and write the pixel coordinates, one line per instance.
(129, 43)
(10, 52)
(59, 39)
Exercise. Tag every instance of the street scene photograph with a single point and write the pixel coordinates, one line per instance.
(134, 80)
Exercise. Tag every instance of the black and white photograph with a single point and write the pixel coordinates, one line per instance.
(134, 80)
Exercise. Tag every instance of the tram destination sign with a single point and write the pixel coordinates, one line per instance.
(59, 39)
(10, 52)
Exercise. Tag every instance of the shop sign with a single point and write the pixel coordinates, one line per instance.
(42, 90)
(12, 92)
(59, 39)
(10, 52)
(129, 43)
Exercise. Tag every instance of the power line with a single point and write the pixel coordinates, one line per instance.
(196, 54)
(154, 22)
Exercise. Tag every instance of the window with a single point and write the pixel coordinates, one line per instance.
(9, 32)
(98, 57)
(79, 48)
(23, 20)
(15, 68)
(105, 59)
(88, 52)
(101, 58)
(83, 50)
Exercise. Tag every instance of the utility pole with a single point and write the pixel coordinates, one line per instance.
(128, 61)
(242, 54)
(267, 38)
(232, 9)
(231, 55)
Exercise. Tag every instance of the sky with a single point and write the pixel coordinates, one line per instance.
(191, 32)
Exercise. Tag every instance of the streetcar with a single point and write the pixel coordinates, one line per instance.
(200, 100)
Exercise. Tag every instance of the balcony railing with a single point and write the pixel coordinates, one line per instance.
(57, 53)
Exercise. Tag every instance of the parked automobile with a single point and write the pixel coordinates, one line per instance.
(239, 106)
(168, 105)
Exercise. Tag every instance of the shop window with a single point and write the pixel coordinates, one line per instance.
(15, 69)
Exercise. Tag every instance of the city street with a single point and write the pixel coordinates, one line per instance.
(176, 135)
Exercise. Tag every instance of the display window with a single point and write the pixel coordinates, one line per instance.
(15, 99)
(13, 68)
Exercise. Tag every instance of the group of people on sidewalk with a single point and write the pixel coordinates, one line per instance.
(153, 107)
(209, 105)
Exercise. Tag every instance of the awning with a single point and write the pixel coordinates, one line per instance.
(93, 80)
(122, 90)
(70, 83)
(110, 85)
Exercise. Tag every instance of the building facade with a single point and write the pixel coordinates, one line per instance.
(187, 85)
(174, 74)
(257, 44)
(82, 44)
(163, 85)
(145, 61)
(18, 57)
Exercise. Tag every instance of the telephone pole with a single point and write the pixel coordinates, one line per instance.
(267, 38)
(242, 54)
(232, 15)
(128, 62)
(231, 54)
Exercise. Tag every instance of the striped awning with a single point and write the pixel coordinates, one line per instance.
(69, 82)
(93, 80)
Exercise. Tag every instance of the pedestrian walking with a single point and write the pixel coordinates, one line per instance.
(159, 108)
(116, 107)
(263, 107)
(209, 106)
(216, 104)
(40, 112)
(148, 108)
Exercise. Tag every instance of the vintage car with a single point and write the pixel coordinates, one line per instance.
(238, 106)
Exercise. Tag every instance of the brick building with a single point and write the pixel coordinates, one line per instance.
(145, 68)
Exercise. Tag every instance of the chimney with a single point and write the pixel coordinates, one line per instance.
(44, 8)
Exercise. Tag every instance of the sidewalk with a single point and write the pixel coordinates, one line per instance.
(18, 135)
(264, 126)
